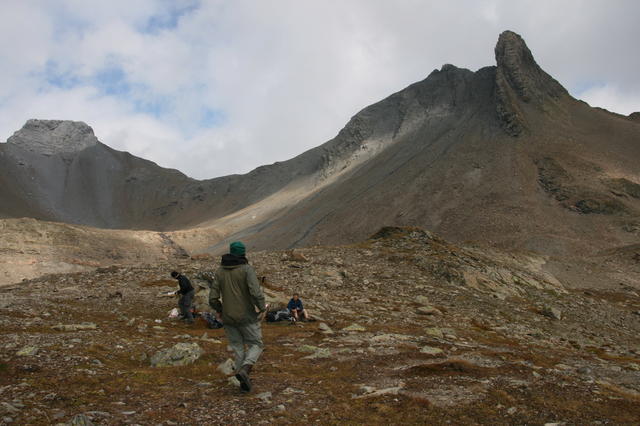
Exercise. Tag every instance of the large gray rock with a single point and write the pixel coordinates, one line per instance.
(179, 354)
(54, 136)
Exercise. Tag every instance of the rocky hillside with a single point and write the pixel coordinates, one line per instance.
(30, 248)
(411, 329)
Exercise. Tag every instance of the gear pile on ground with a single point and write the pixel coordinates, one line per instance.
(410, 329)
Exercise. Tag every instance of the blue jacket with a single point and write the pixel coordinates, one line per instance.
(295, 305)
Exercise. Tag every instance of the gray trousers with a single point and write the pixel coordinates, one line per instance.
(241, 335)
(185, 305)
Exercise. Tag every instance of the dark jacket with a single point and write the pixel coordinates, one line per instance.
(237, 284)
(295, 304)
(185, 284)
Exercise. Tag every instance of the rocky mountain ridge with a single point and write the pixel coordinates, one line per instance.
(503, 157)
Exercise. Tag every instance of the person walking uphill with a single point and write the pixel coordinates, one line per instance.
(236, 282)
(186, 293)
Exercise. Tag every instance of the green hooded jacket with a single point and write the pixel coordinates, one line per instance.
(237, 284)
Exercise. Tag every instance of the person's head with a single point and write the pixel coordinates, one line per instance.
(236, 248)
(295, 296)
(174, 274)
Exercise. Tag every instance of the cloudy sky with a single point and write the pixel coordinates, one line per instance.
(217, 87)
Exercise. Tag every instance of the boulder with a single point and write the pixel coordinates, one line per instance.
(179, 354)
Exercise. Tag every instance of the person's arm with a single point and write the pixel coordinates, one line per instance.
(214, 295)
(257, 297)
(291, 305)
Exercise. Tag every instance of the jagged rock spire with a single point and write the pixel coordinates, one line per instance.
(520, 79)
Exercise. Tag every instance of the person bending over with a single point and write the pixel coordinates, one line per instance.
(186, 293)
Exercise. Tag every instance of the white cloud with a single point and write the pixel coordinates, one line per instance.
(222, 87)
(612, 98)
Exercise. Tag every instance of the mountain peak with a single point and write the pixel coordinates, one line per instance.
(54, 136)
(520, 79)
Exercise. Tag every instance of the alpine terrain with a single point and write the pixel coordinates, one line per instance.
(469, 247)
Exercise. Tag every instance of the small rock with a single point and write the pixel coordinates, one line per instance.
(281, 407)
(551, 312)
(428, 310)
(354, 327)
(205, 337)
(319, 353)
(227, 367)
(422, 300)
(179, 354)
(28, 351)
(128, 413)
(80, 420)
(584, 370)
(434, 332)
(7, 419)
(325, 329)
(307, 348)
(264, 397)
(181, 336)
(8, 408)
(375, 393)
(75, 327)
(430, 350)
(233, 381)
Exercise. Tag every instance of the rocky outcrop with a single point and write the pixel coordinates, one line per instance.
(519, 79)
(50, 137)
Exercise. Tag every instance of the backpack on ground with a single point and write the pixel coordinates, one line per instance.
(212, 321)
(279, 315)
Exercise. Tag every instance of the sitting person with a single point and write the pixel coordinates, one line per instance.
(296, 309)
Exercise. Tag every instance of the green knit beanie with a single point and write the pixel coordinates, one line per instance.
(237, 248)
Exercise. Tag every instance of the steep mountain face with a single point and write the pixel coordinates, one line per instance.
(502, 156)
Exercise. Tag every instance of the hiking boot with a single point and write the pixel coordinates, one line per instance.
(243, 377)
